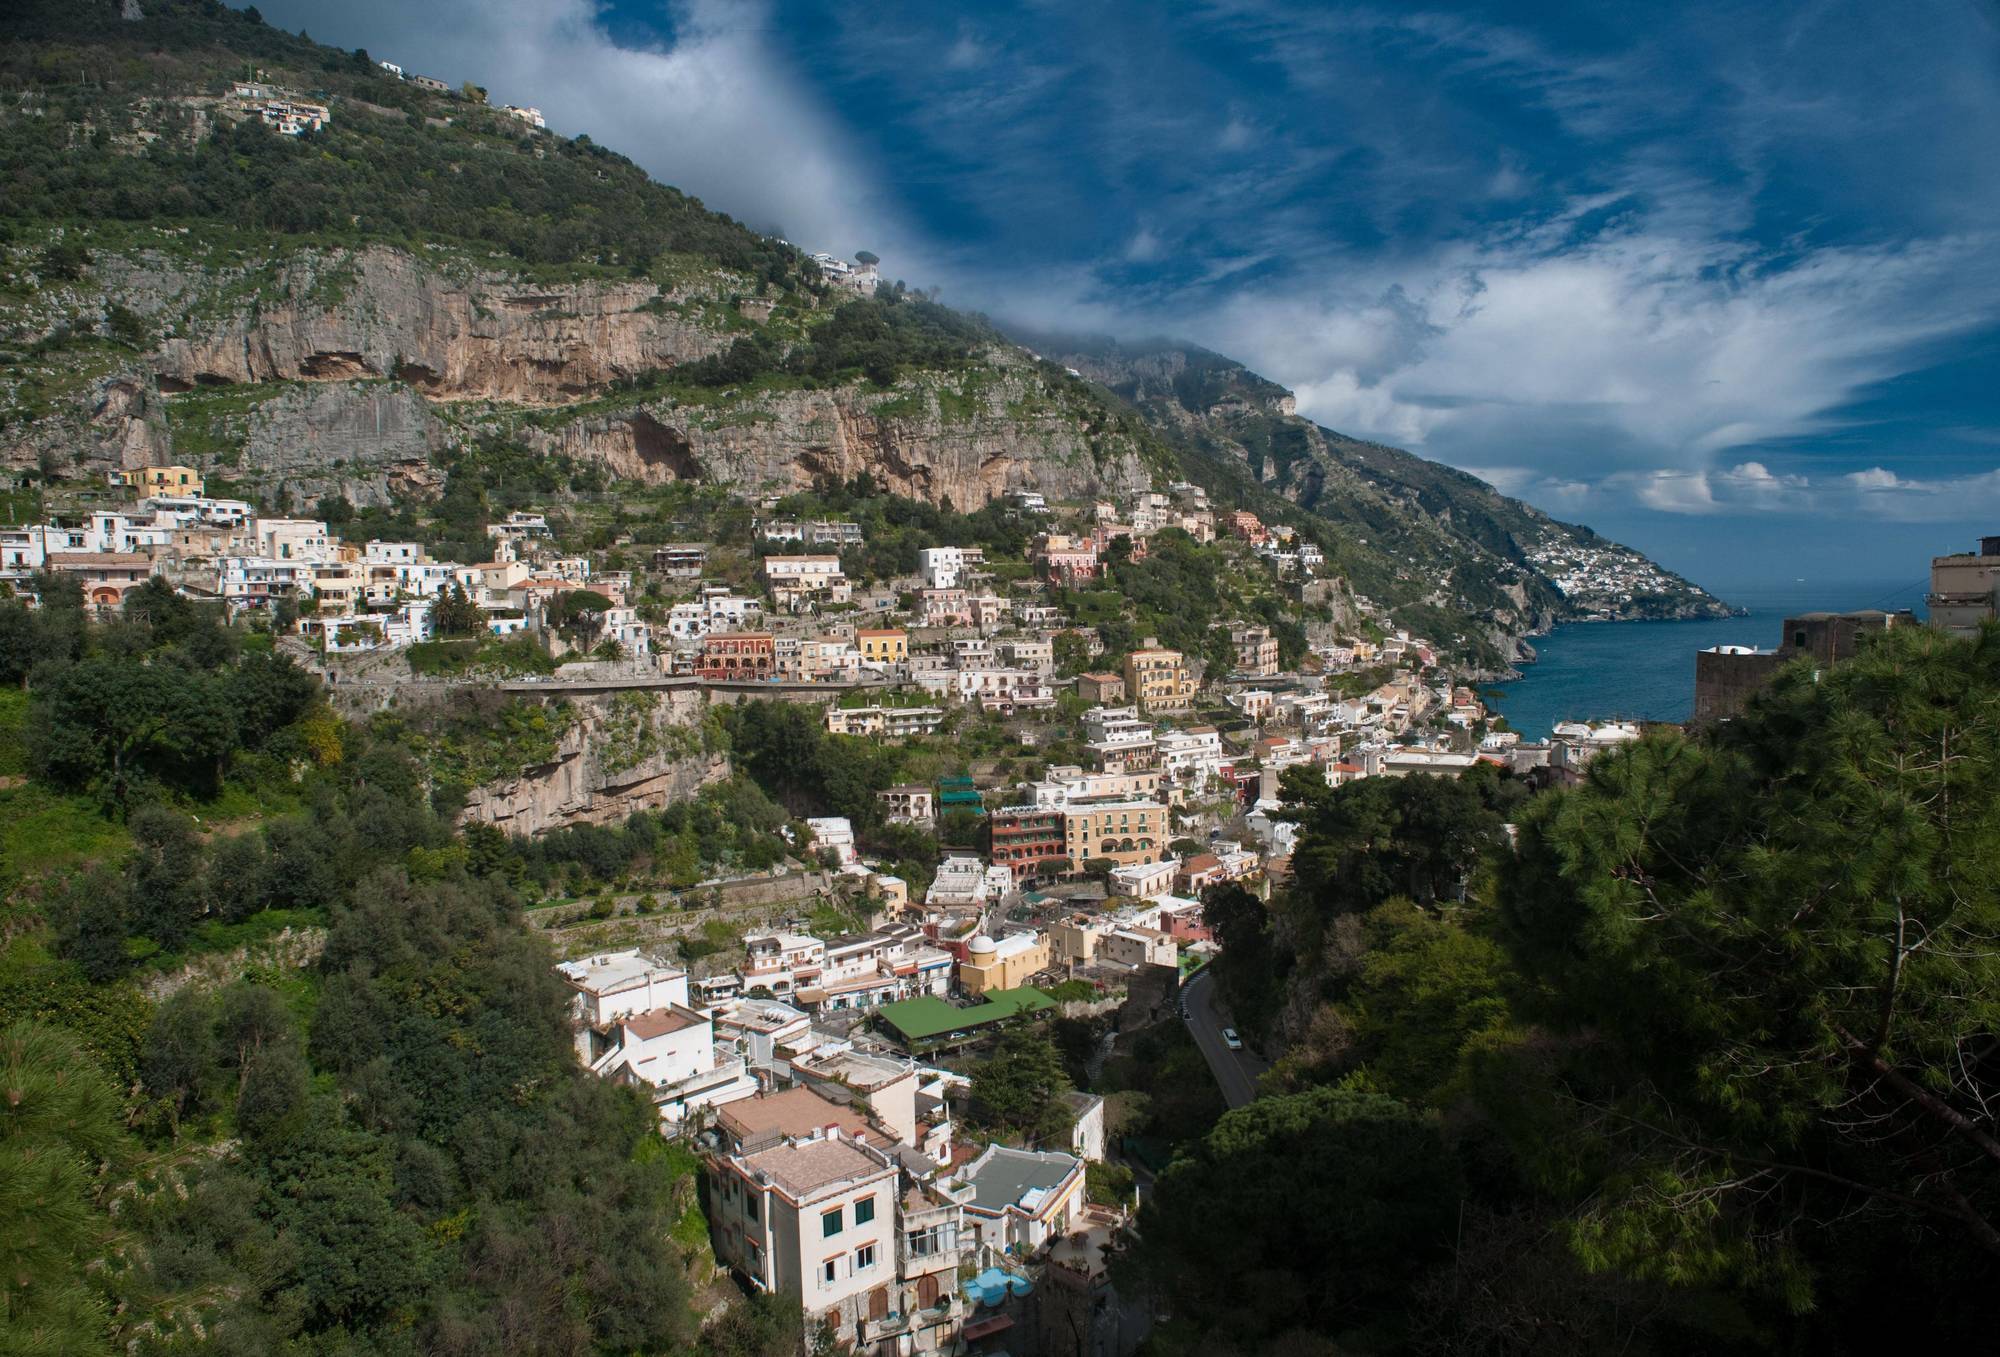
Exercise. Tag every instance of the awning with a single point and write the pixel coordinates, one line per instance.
(980, 1328)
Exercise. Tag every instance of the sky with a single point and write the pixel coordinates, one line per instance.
(1721, 280)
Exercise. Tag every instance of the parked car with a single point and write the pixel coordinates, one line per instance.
(1231, 1040)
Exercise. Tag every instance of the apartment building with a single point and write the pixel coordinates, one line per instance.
(1157, 679)
(1018, 1200)
(681, 560)
(831, 1217)
(816, 1217)
(163, 480)
(781, 962)
(615, 985)
(738, 656)
(1192, 756)
(1028, 652)
(798, 582)
(1256, 650)
(1101, 687)
(1064, 784)
(884, 722)
(1118, 740)
(883, 647)
(945, 567)
(1065, 560)
(1123, 831)
(909, 803)
(1024, 838)
(944, 607)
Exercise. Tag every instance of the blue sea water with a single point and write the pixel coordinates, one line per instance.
(1645, 670)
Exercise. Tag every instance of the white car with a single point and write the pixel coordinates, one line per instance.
(1231, 1040)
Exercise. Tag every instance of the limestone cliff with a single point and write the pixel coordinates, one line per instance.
(451, 330)
(347, 371)
(939, 437)
(635, 750)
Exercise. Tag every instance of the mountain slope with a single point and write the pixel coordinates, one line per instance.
(1430, 524)
(343, 312)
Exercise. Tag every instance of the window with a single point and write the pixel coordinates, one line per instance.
(830, 1272)
(749, 1203)
(830, 1224)
(864, 1258)
(864, 1210)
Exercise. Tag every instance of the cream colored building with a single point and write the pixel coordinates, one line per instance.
(1123, 831)
(1157, 679)
(1002, 963)
(163, 480)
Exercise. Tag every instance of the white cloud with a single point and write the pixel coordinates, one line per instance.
(1877, 478)
(1145, 246)
(1638, 351)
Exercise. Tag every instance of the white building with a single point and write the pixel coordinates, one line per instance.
(1018, 1200)
(834, 834)
(944, 567)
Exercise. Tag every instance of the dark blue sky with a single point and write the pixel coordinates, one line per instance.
(1719, 279)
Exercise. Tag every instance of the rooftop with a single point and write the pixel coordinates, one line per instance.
(924, 1018)
(1004, 1177)
(801, 1168)
(795, 1112)
(662, 1021)
(864, 1073)
(612, 972)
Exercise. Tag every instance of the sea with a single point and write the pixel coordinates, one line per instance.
(1592, 671)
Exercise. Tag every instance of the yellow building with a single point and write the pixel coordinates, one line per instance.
(163, 480)
(1124, 831)
(1002, 963)
(1157, 679)
(889, 645)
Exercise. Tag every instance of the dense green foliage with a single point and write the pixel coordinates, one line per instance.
(371, 173)
(878, 337)
(1018, 1090)
(1703, 1062)
(383, 1143)
(1309, 1211)
(163, 699)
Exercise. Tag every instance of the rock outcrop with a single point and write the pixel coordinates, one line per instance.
(924, 438)
(325, 372)
(368, 441)
(637, 750)
(454, 333)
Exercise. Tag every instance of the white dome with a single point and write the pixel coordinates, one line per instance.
(981, 943)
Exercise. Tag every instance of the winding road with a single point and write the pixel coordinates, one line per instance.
(1235, 1071)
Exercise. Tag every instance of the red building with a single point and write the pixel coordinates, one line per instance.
(737, 655)
(1025, 837)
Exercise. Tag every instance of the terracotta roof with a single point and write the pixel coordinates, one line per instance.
(1201, 862)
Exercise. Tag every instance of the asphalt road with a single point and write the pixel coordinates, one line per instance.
(1235, 1071)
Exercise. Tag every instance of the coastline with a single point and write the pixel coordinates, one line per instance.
(1643, 668)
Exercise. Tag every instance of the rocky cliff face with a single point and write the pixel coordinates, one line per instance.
(932, 437)
(346, 371)
(367, 440)
(636, 750)
(453, 333)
